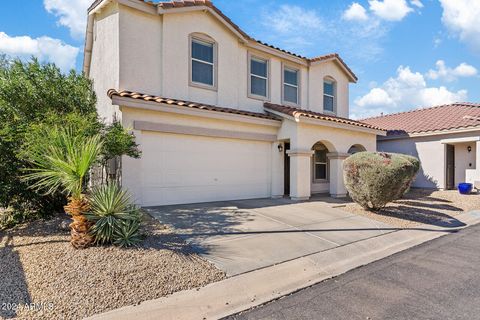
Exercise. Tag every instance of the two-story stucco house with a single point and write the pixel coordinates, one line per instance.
(218, 115)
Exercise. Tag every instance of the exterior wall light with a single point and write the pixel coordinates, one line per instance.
(280, 147)
(469, 148)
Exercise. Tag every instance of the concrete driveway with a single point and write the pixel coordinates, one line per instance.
(245, 235)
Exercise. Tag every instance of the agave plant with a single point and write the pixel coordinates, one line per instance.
(116, 220)
(63, 165)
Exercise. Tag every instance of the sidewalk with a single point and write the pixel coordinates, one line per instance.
(254, 288)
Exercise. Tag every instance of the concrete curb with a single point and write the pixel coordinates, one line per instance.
(254, 288)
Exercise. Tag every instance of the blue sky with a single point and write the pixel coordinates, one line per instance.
(406, 53)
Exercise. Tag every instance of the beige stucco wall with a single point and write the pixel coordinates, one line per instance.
(140, 51)
(431, 153)
(149, 53)
(105, 64)
(330, 69)
(464, 160)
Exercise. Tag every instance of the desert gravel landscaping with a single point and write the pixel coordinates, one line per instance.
(422, 206)
(38, 265)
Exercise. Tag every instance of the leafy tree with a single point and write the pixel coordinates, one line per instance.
(29, 93)
(34, 97)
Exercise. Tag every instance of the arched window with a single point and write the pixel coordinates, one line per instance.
(320, 163)
(329, 94)
(356, 148)
(203, 61)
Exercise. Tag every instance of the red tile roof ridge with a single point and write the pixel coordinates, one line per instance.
(418, 109)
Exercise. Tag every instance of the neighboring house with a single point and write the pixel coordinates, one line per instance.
(218, 115)
(445, 138)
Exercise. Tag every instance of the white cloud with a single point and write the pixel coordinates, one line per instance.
(44, 48)
(461, 17)
(356, 12)
(293, 18)
(450, 74)
(417, 3)
(403, 92)
(391, 10)
(70, 14)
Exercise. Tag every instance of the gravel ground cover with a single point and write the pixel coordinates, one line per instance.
(422, 206)
(41, 270)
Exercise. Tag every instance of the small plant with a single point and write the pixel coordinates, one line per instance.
(127, 234)
(115, 219)
(374, 179)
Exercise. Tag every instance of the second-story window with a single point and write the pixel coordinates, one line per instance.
(329, 95)
(203, 62)
(290, 85)
(258, 77)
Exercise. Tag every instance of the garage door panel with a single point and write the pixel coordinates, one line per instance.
(185, 169)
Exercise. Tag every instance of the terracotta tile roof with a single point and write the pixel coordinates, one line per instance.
(438, 118)
(186, 104)
(295, 112)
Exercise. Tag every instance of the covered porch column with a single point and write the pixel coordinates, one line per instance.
(337, 186)
(300, 175)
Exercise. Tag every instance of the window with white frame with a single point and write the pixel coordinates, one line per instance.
(329, 95)
(202, 62)
(320, 163)
(290, 85)
(258, 77)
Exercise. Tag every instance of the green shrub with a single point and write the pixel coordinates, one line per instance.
(33, 98)
(374, 179)
(30, 92)
(116, 220)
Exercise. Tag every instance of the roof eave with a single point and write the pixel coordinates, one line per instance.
(241, 36)
(351, 76)
(299, 118)
(431, 133)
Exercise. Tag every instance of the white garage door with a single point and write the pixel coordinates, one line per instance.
(187, 169)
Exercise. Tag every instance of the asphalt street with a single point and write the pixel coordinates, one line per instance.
(439, 279)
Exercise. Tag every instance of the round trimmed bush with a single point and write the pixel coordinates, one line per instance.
(374, 179)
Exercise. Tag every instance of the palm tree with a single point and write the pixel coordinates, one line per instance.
(63, 165)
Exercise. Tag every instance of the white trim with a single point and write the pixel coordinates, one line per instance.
(199, 131)
(163, 107)
(460, 140)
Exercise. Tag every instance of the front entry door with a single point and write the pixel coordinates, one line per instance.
(450, 166)
(286, 170)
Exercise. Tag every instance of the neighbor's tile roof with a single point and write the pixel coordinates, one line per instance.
(209, 3)
(295, 112)
(439, 118)
(186, 104)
